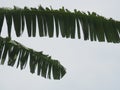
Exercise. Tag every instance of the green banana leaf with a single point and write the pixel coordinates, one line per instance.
(61, 22)
(44, 64)
(51, 23)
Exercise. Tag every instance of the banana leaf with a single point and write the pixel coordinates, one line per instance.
(21, 55)
(62, 21)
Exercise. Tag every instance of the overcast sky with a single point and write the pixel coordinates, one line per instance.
(90, 65)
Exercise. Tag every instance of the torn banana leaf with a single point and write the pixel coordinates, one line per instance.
(21, 55)
(61, 22)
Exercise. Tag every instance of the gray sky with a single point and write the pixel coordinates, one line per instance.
(90, 65)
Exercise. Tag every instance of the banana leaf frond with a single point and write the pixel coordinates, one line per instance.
(61, 22)
(20, 55)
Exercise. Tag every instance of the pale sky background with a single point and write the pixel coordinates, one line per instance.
(90, 65)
